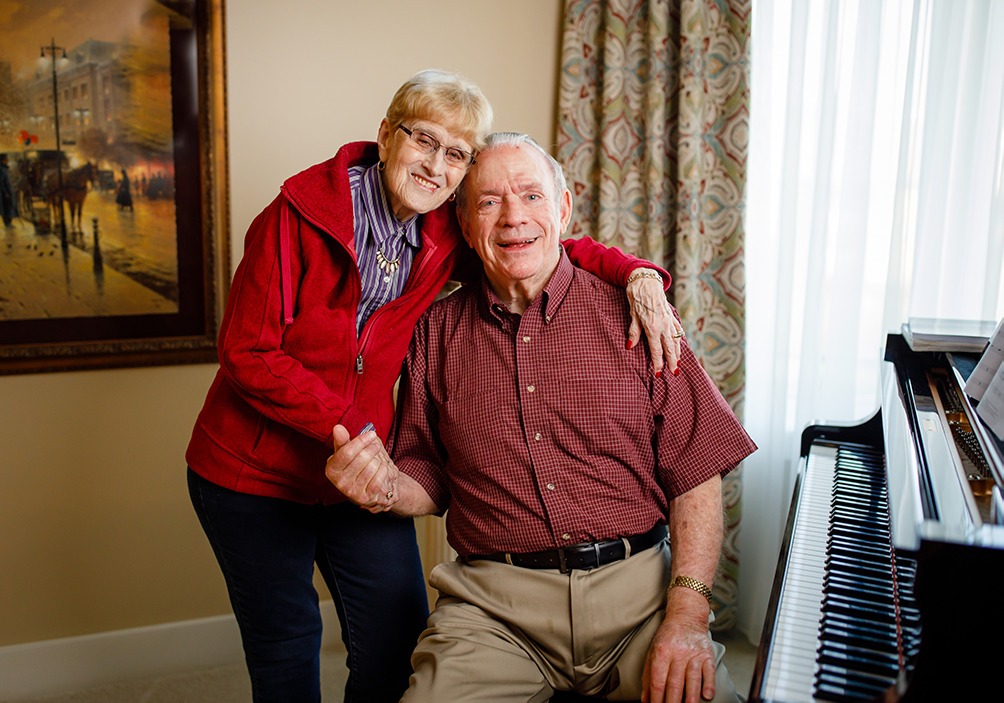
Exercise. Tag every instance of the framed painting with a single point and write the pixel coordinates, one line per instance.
(113, 176)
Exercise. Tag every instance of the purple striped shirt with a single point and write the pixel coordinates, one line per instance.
(378, 230)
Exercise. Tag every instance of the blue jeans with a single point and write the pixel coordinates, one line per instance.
(267, 549)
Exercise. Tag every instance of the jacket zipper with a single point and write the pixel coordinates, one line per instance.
(424, 257)
(413, 276)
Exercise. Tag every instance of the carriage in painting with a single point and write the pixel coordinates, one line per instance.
(36, 179)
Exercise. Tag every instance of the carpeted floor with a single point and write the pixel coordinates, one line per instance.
(230, 685)
(227, 684)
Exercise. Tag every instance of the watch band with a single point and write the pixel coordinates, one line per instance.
(693, 584)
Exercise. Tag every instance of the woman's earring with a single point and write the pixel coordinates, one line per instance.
(453, 196)
(381, 165)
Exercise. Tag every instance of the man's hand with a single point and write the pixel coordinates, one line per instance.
(361, 469)
(651, 313)
(681, 662)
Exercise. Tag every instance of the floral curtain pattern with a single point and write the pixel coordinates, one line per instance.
(652, 131)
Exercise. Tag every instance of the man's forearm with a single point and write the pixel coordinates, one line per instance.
(681, 647)
(696, 532)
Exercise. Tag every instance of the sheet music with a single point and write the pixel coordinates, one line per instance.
(988, 365)
(986, 383)
(991, 407)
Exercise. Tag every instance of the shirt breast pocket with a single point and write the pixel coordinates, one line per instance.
(602, 408)
(480, 415)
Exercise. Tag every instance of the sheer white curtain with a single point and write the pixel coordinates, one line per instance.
(874, 195)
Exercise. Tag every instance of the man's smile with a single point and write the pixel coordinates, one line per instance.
(518, 243)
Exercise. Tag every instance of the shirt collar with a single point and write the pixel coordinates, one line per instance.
(546, 304)
(383, 223)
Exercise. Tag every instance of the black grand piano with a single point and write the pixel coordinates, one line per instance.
(890, 582)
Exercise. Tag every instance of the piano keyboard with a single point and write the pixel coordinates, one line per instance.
(792, 664)
(839, 630)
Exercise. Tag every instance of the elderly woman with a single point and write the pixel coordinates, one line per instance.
(335, 272)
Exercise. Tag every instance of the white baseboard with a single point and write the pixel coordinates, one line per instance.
(58, 666)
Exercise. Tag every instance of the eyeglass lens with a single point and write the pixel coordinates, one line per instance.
(429, 144)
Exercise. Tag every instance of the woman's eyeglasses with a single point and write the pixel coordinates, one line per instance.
(428, 144)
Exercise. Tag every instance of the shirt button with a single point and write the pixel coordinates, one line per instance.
(550, 486)
(526, 339)
(566, 536)
(530, 388)
(537, 436)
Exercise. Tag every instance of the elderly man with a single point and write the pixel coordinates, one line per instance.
(559, 458)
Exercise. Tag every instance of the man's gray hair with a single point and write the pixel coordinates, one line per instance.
(498, 140)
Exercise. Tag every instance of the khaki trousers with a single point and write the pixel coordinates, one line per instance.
(505, 633)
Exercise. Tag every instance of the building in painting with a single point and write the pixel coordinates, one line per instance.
(92, 93)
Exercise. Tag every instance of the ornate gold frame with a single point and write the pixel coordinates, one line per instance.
(28, 346)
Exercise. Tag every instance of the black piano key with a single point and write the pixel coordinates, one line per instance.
(856, 478)
(859, 663)
(864, 628)
(864, 633)
(834, 682)
(852, 524)
(841, 692)
(860, 482)
(858, 546)
(882, 659)
(860, 637)
(884, 630)
(841, 558)
(859, 595)
(839, 552)
(858, 610)
(863, 581)
(865, 509)
(865, 685)
(853, 568)
(865, 605)
(859, 497)
(855, 520)
(850, 557)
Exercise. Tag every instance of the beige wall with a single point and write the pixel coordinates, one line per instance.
(96, 531)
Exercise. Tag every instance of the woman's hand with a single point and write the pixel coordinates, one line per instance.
(652, 313)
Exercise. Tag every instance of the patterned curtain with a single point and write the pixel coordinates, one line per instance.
(652, 131)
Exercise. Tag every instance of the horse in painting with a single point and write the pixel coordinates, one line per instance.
(76, 183)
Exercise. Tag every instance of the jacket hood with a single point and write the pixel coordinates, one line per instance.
(321, 193)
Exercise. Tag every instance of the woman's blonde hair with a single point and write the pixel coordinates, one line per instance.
(447, 98)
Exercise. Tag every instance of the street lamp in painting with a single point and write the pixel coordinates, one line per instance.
(51, 50)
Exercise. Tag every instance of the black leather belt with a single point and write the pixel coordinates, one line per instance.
(587, 555)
